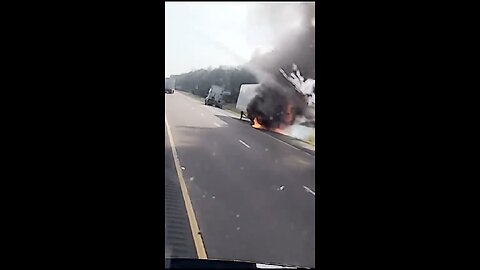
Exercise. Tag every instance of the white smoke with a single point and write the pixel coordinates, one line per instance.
(307, 88)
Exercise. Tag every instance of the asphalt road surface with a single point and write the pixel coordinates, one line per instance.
(253, 196)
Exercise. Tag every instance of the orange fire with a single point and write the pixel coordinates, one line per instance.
(256, 124)
(288, 118)
(278, 130)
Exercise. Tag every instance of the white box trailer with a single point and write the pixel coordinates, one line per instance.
(246, 94)
(169, 85)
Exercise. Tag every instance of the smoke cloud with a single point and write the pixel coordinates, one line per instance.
(275, 106)
(286, 74)
(291, 29)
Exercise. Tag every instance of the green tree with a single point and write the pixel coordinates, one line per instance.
(199, 82)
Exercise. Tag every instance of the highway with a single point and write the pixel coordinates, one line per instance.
(252, 196)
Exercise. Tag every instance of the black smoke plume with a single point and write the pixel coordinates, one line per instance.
(294, 47)
(276, 106)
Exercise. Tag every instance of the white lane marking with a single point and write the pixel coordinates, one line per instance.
(309, 190)
(242, 142)
(216, 124)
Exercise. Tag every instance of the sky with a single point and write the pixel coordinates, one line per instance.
(211, 34)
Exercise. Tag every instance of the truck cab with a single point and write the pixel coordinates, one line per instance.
(215, 96)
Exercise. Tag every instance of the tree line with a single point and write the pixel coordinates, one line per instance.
(199, 82)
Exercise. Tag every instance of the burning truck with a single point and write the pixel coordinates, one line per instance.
(278, 107)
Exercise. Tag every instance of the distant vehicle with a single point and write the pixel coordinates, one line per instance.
(247, 93)
(215, 96)
(169, 85)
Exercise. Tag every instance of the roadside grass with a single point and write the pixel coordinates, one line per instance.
(311, 140)
(228, 106)
(191, 95)
(231, 107)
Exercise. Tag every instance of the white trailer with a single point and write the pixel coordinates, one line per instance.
(169, 85)
(246, 94)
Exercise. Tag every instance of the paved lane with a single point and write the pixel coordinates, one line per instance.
(253, 196)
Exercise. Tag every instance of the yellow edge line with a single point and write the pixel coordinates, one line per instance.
(197, 238)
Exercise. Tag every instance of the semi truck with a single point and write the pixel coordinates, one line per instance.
(216, 95)
(169, 85)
